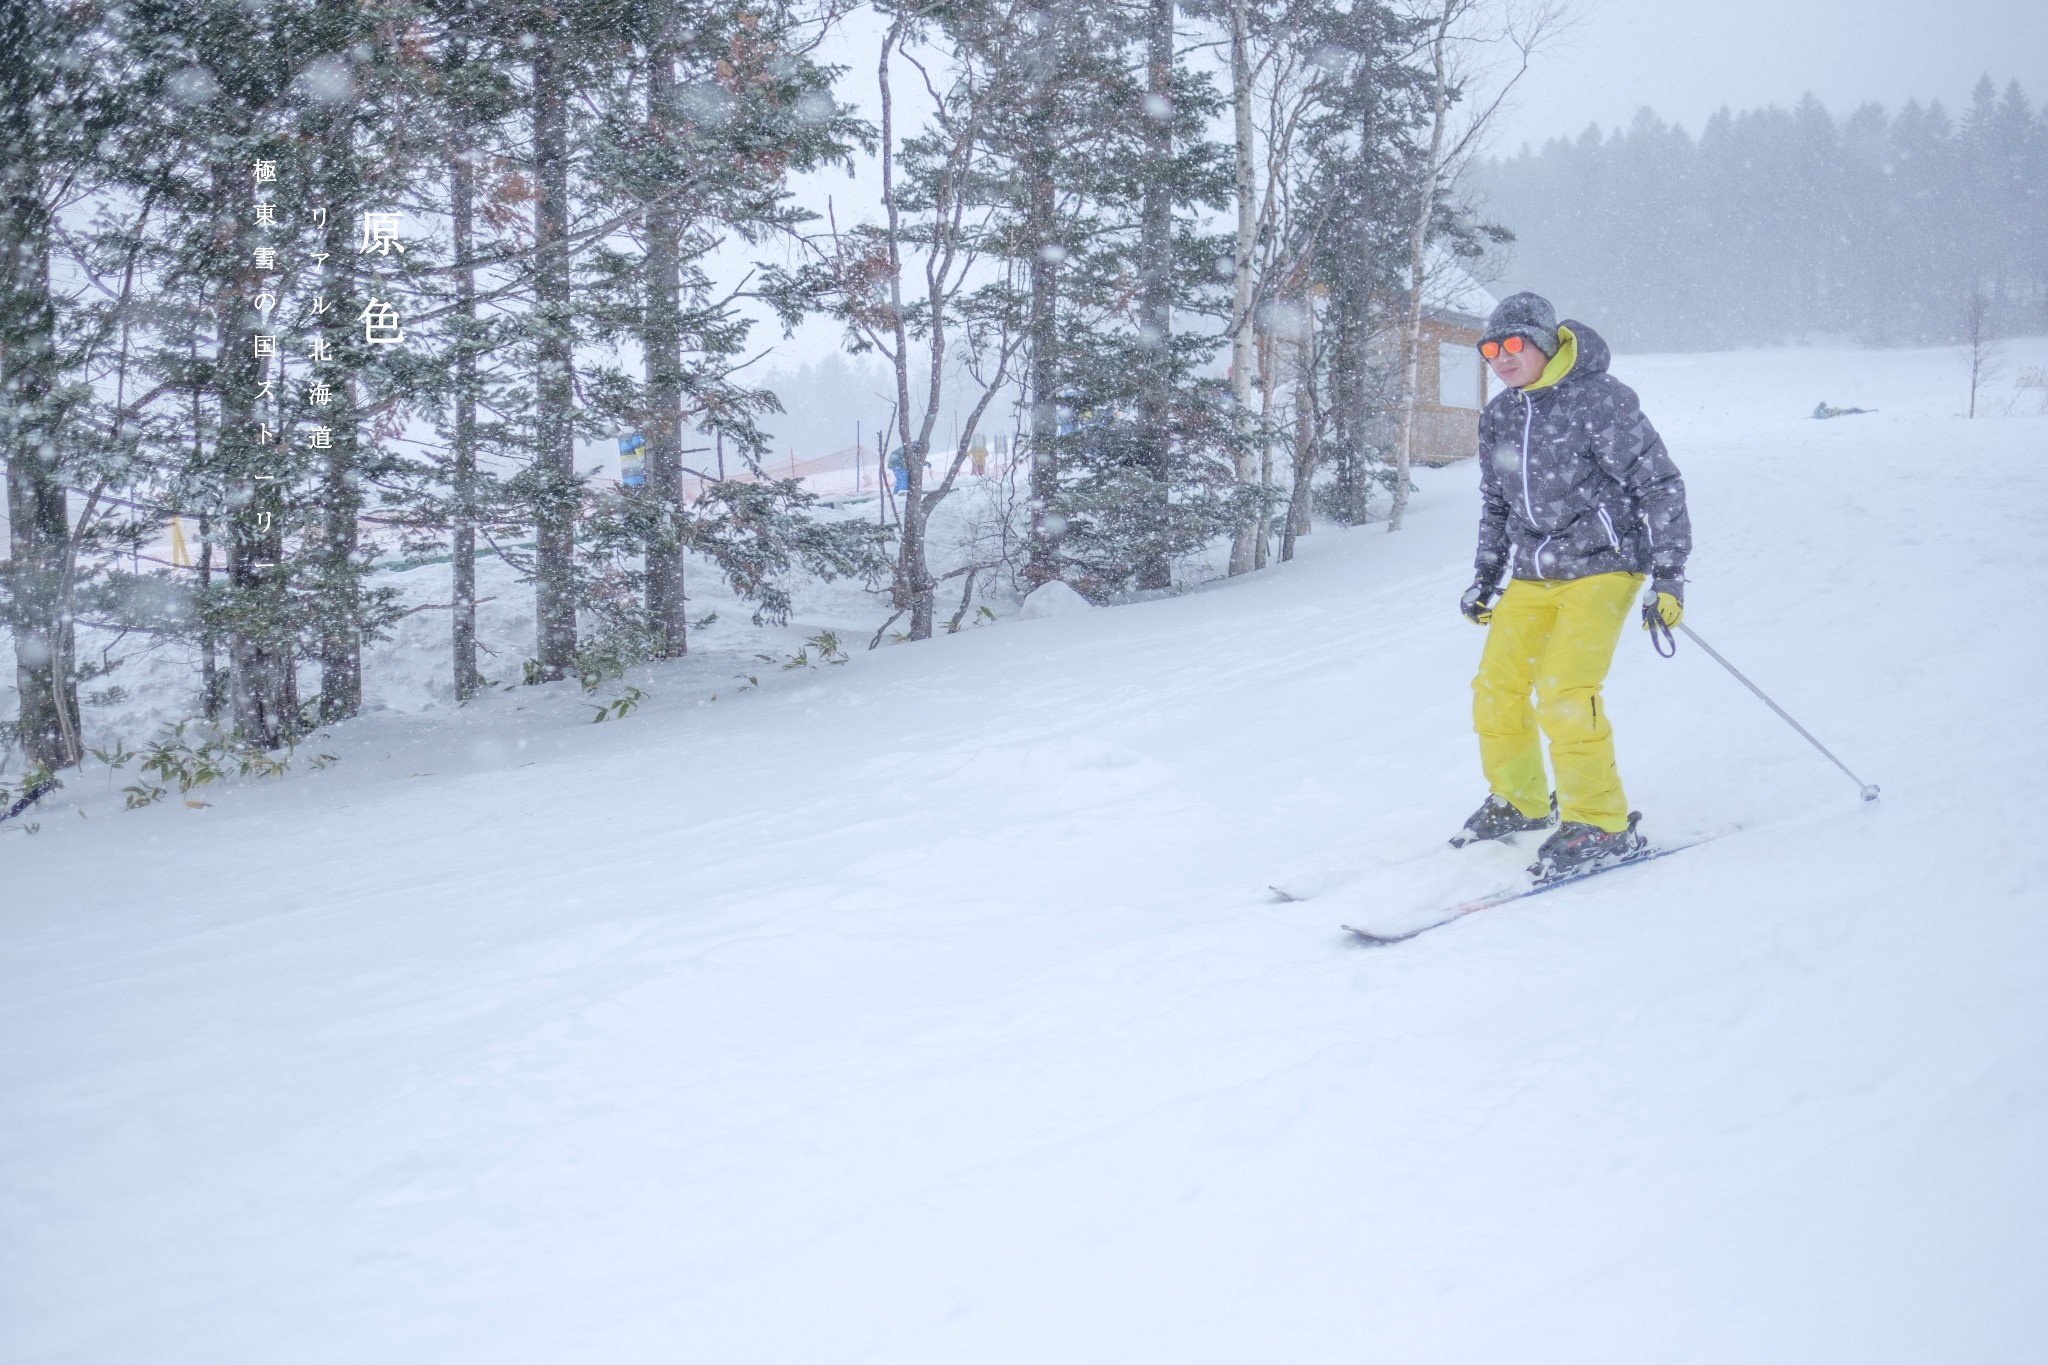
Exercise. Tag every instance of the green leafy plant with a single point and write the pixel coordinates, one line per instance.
(115, 755)
(36, 780)
(186, 759)
(596, 667)
(826, 642)
(982, 616)
(172, 758)
(619, 707)
(263, 763)
(593, 667)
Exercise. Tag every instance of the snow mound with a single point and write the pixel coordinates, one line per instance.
(1054, 599)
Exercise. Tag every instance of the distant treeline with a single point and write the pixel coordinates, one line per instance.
(1776, 225)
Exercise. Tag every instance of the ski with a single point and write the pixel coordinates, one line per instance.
(1489, 901)
(1286, 895)
(29, 798)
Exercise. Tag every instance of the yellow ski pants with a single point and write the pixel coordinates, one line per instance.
(1556, 638)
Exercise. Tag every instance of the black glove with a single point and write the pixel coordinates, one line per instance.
(1477, 603)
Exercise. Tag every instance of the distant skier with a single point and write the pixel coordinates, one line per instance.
(1579, 502)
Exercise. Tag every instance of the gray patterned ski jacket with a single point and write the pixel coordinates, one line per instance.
(1573, 479)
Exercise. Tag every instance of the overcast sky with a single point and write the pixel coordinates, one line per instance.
(1687, 58)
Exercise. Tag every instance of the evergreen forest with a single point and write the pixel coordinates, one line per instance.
(1776, 225)
(293, 294)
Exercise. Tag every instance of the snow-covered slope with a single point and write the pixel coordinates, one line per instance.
(932, 1009)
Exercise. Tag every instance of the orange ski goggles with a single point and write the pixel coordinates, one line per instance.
(1512, 345)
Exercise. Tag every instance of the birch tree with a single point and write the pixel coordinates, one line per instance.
(1457, 31)
(1242, 547)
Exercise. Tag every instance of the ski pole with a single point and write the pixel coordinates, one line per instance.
(1868, 789)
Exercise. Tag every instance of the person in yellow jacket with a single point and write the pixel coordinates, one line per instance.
(1580, 504)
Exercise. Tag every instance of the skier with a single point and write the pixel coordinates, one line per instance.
(1579, 502)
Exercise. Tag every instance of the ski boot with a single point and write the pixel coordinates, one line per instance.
(1497, 819)
(1577, 849)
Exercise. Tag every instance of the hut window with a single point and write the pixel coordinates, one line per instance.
(1457, 376)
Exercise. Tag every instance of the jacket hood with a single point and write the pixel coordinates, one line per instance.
(1580, 352)
(1592, 348)
(1593, 352)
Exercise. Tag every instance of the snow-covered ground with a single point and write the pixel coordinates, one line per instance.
(933, 1009)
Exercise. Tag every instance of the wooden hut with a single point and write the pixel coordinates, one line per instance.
(1451, 381)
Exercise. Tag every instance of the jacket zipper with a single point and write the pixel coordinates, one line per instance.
(1528, 418)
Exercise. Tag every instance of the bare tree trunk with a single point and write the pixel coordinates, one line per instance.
(1265, 529)
(462, 447)
(1301, 500)
(663, 344)
(1155, 308)
(1418, 262)
(39, 531)
(1347, 409)
(913, 586)
(1980, 345)
(262, 671)
(1042, 563)
(1041, 233)
(209, 668)
(946, 242)
(1242, 548)
(341, 637)
(555, 447)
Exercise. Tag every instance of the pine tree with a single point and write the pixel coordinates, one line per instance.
(727, 105)
(57, 105)
(222, 138)
(474, 100)
(1157, 279)
(1130, 457)
(1369, 100)
(558, 58)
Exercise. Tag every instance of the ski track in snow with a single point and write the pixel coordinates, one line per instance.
(934, 1009)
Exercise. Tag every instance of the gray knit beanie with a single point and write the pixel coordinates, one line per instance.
(1528, 314)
